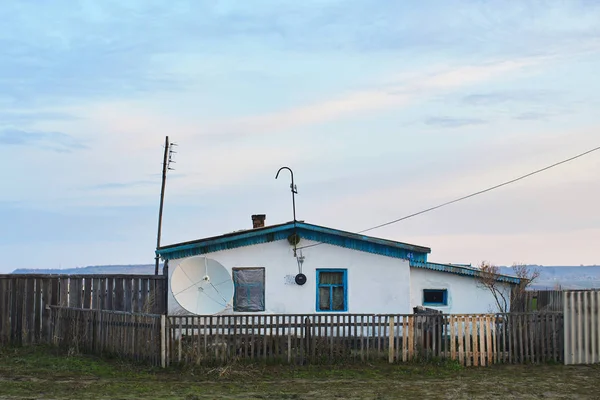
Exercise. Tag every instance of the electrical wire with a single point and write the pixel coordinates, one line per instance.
(469, 195)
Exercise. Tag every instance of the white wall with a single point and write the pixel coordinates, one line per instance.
(465, 296)
(376, 284)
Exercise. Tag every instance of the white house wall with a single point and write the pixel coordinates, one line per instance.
(465, 296)
(376, 284)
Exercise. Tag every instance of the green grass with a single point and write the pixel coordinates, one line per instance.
(40, 372)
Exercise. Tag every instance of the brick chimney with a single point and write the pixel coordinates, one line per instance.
(258, 221)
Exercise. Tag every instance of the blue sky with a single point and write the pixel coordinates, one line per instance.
(382, 109)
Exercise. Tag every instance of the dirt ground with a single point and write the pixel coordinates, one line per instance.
(32, 373)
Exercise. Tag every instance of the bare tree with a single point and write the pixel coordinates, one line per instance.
(490, 279)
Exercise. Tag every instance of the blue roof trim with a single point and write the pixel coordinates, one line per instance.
(455, 269)
(416, 254)
(307, 231)
(219, 244)
(362, 243)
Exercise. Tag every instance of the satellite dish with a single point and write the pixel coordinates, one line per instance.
(202, 286)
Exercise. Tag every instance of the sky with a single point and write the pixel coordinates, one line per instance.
(381, 109)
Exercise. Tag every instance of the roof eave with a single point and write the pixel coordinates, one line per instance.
(308, 231)
(372, 239)
(458, 270)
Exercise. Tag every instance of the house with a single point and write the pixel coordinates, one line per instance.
(342, 272)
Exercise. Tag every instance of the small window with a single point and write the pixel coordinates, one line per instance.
(249, 294)
(435, 297)
(332, 290)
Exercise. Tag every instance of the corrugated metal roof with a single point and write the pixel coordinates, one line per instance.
(460, 270)
(309, 232)
(389, 248)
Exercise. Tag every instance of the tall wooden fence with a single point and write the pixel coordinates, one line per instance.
(25, 300)
(538, 300)
(128, 335)
(469, 339)
(582, 327)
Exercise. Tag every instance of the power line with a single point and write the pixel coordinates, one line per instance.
(472, 194)
(482, 191)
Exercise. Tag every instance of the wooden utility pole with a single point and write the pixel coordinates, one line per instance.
(162, 198)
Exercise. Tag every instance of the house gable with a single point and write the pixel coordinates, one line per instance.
(305, 231)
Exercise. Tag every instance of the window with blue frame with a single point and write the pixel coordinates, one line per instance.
(332, 290)
(249, 289)
(435, 297)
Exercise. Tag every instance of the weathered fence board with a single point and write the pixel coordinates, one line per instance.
(477, 340)
(24, 300)
(581, 327)
(4, 309)
(472, 340)
(538, 300)
(128, 335)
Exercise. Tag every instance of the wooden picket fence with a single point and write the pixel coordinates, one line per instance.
(132, 336)
(506, 338)
(471, 340)
(25, 300)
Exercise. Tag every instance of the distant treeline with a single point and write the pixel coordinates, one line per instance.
(137, 269)
(552, 277)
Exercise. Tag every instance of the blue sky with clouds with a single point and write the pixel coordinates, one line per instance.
(382, 109)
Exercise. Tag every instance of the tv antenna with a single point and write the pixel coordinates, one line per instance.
(300, 277)
(292, 187)
(167, 161)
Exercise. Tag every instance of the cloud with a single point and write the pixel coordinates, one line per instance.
(11, 117)
(470, 74)
(83, 53)
(73, 225)
(439, 178)
(504, 249)
(122, 185)
(449, 122)
(358, 26)
(114, 50)
(493, 98)
(411, 88)
(140, 125)
(525, 105)
(56, 141)
(532, 116)
(98, 51)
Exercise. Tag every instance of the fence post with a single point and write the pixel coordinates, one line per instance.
(163, 341)
(391, 340)
(165, 287)
(289, 340)
(55, 314)
(566, 326)
(307, 339)
(49, 324)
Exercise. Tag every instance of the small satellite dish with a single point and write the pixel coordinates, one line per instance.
(300, 279)
(202, 286)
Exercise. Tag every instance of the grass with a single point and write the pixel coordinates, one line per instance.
(40, 372)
